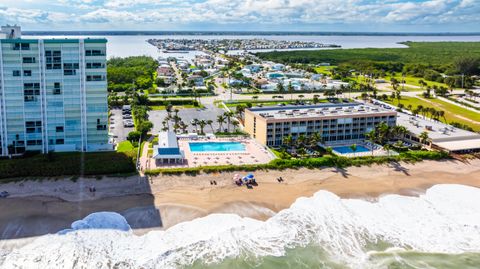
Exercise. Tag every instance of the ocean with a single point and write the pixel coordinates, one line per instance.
(438, 230)
(133, 45)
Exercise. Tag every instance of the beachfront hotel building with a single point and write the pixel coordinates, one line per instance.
(337, 123)
(53, 94)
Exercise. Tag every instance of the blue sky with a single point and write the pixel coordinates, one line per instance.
(244, 15)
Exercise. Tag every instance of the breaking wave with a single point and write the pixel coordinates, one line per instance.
(446, 219)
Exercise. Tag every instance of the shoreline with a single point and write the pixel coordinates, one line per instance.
(40, 207)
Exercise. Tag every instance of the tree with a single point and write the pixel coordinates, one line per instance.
(235, 125)
(210, 123)
(221, 121)
(424, 138)
(228, 115)
(133, 136)
(280, 88)
(144, 127)
(372, 137)
(290, 90)
(202, 124)
(288, 141)
(353, 147)
(467, 65)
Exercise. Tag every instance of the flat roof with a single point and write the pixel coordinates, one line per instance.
(466, 144)
(318, 110)
(437, 131)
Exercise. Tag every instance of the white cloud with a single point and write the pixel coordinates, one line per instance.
(83, 13)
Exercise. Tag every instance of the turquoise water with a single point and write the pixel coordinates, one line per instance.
(216, 146)
(314, 257)
(347, 149)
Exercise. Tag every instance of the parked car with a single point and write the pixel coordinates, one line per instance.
(128, 116)
(4, 194)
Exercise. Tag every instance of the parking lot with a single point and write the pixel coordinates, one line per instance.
(210, 112)
(119, 131)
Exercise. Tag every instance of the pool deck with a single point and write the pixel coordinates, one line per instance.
(254, 154)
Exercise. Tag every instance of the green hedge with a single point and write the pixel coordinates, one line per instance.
(173, 102)
(311, 163)
(67, 164)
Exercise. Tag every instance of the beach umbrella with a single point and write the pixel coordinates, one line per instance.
(250, 176)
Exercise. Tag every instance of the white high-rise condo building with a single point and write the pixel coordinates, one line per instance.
(53, 94)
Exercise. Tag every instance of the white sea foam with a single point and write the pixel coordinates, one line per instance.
(446, 219)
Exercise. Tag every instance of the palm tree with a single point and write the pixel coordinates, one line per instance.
(290, 90)
(387, 147)
(372, 137)
(424, 138)
(301, 140)
(235, 125)
(195, 124)
(229, 116)
(183, 126)
(315, 138)
(221, 121)
(353, 147)
(210, 123)
(288, 141)
(202, 124)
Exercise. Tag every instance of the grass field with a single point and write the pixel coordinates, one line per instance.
(125, 146)
(417, 52)
(414, 81)
(453, 113)
(324, 69)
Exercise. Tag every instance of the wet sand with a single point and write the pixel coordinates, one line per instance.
(47, 206)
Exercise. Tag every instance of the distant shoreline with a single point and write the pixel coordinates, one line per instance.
(240, 33)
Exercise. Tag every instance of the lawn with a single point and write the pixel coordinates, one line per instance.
(453, 113)
(67, 164)
(324, 69)
(414, 81)
(125, 146)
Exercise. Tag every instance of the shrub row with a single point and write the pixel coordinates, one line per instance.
(156, 102)
(67, 164)
(311, 163)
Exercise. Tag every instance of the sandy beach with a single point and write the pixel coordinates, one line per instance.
(47, 206)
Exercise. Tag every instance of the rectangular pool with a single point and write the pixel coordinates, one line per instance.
(347, 149)
(216, 146)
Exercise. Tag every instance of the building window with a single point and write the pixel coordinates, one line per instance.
(94, 53)
(21, 46)
(95, 78)
(27, 73)
(95, 65)
(16, 73)
(59, 141)
(33, 127)
(28, 60)
(59, 129)
(69, 72)
(57, 89)
(34, 142)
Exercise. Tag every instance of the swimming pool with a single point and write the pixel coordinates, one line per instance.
(216, 146)
(347, 149)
